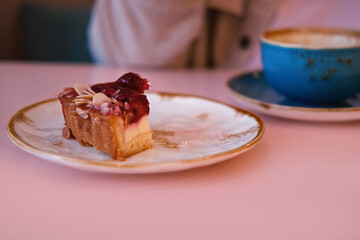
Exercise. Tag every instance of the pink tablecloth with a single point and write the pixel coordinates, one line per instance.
(302, 181)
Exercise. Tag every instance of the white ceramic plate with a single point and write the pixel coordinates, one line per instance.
(188, 132)
(253, 92)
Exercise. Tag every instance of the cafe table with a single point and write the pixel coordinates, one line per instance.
(300, 181)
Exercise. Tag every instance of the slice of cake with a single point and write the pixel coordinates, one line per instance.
(112, 117)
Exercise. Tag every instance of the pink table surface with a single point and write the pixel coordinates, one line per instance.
(302, 181)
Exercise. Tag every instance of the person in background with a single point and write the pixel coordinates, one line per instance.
(202, 33)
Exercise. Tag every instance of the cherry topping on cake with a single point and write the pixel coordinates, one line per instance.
(128, 80)
(123, 96)
(133, 81)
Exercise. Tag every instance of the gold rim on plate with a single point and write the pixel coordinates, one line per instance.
(116, 164)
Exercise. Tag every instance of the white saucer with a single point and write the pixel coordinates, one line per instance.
(188, 132)
(253, 91)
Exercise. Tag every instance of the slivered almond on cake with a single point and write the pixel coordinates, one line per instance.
(112, 117)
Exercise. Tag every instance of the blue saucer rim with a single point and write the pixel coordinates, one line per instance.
(267, 105)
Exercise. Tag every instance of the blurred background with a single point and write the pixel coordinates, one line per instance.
(56, 30)
(30, 30)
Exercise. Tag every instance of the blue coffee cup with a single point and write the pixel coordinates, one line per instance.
(313, 65)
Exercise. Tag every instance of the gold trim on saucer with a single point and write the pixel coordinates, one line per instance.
(126, 165)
